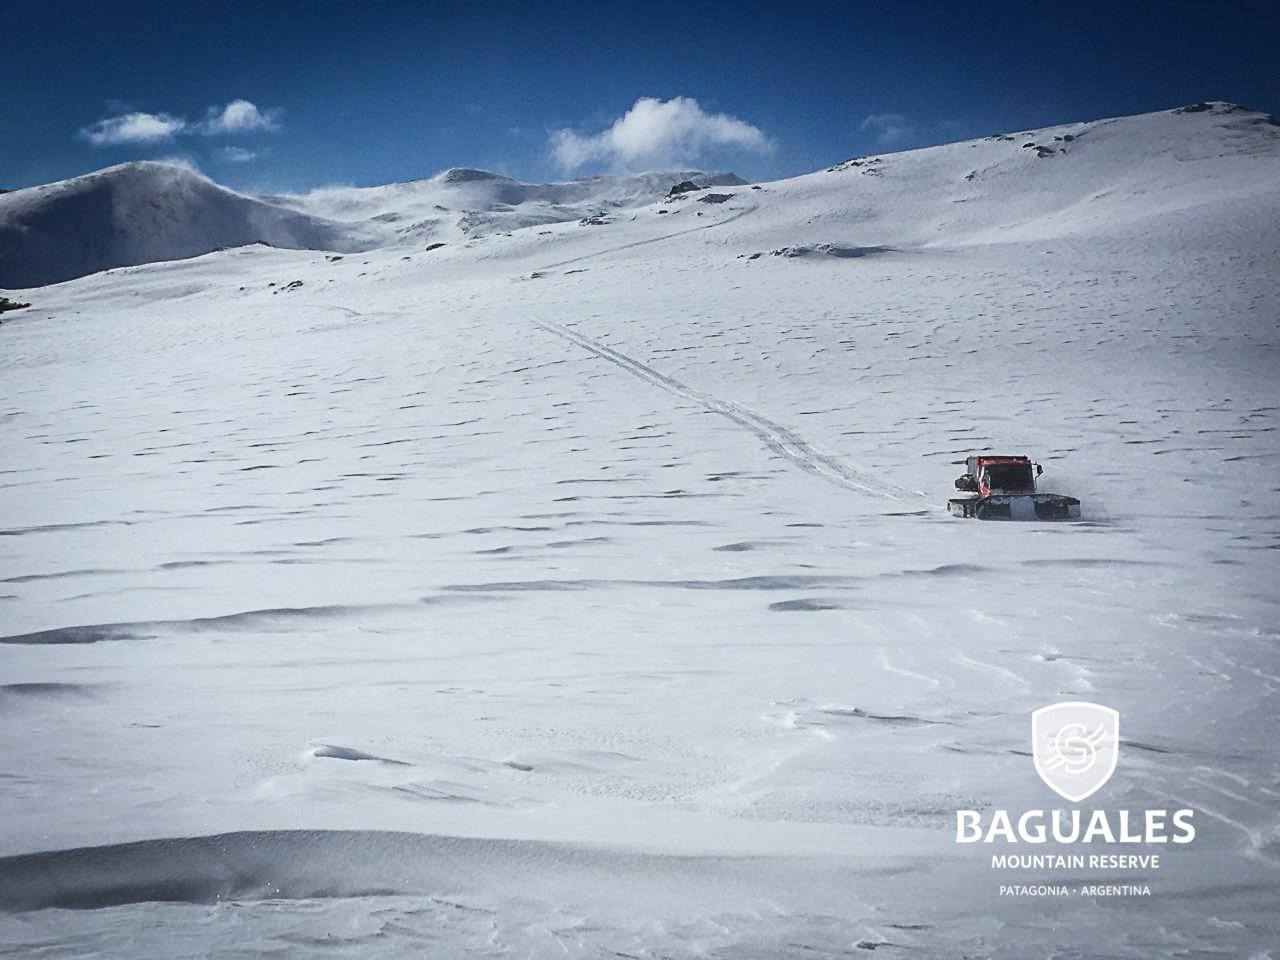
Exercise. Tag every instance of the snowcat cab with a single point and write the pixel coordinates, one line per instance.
(1004, 488)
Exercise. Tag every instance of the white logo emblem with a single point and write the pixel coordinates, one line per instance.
(1075, 745)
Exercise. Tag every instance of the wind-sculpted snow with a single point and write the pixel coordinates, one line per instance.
(255, 620)
(319, 864)
(589, 590)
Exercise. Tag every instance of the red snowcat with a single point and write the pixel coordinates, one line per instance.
(1004, 488)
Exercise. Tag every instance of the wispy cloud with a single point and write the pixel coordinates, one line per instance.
(181, 160)
(239, 116)
(136, 127)
(657, 133)
(889, 128)
(237, 154)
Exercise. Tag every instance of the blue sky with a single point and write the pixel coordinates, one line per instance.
(267, 96)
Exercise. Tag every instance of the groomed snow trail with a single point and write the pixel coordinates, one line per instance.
(781, 440)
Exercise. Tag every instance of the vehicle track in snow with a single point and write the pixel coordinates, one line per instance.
(641, 243)
(781, 440)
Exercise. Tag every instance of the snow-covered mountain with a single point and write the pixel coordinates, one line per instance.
(141, 213)
(461, 202)
(147, 212)
(587, 589)
(1079, 176)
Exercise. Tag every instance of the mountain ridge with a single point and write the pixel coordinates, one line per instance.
(1109, 171)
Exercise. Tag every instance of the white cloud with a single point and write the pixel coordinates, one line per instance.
(656, 133)
(239, 116)
(237, 154)
(133, 127)
(890, 128)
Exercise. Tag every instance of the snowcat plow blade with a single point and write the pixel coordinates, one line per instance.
(1035, 506)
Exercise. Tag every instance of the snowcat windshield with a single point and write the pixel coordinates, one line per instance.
(1010, 477)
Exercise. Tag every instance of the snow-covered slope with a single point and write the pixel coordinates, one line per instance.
(1107, 175)
(461, 202)
(588, 590)
(141, 213)
(1120, 175)
(147, 212)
